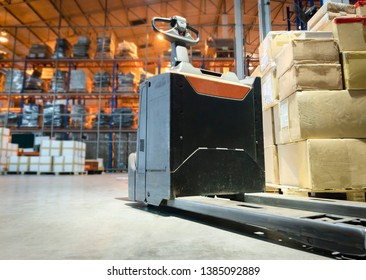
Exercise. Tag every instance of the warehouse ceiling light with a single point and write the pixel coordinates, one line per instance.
(4, 36)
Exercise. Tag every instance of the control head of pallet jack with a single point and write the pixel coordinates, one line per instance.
(178, 32)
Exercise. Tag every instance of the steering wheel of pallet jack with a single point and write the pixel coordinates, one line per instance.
(178, 32)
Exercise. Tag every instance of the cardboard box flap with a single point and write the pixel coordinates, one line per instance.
(360, 4)
(328, 8)
(354, 68)
(345, 20)
(310, 77)
(307, 51)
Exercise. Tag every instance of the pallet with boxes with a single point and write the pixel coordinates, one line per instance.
(56, 157)
(7, 149)
(314, 95)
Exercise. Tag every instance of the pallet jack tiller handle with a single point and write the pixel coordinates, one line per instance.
(178, 32)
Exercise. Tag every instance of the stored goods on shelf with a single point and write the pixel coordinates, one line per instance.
(320, 114)
(78, 80)
(12, 118)
(14, 80)
(59, 81)
(125, 82)
(30, 115)
(53, 114)
(102, 119)
(310, 77)
(122, 117)
(78, 115)
(104, 47)
(126, 50)
(102, 79)
(62, 49)
(319, 164)
(81, 48)
(34, 81)
(40, 51)
(354, 69)
(349, 33)
(322, 20)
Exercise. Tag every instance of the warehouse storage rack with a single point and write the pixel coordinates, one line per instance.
(111, 142)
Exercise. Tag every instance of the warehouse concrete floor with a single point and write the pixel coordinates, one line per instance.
(89, 217)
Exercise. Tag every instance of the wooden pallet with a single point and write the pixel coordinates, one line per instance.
(351, 194)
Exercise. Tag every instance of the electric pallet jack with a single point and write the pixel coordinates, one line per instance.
(200, 149)
(199, 132)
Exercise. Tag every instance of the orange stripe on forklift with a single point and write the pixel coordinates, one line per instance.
(216, 88)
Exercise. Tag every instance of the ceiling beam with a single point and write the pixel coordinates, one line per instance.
(22, 23)
(29, 5)
(64, 18)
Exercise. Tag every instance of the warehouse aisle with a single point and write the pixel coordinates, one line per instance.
(89, 217)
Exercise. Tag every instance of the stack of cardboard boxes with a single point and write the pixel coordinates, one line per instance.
(7, 150)
(67, 156)
(315, 136)
(55, 156)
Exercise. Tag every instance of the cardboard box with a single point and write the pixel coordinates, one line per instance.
(40, 164)
(4, 131)
(320, 164)
(360, 8)
(324, 16)
(68, 164)
(4, 163)
(310, 77)
(320, 114)
(257, 72)
(268, 128)
(33, 164)
(8, 150)
(349, 33)
(273, 44)
(50, 148)
(19, 164)
(316, 35)
(269, 88)
(354, 69)
(307, 51)
(73, 148)
(3, 142)
(281, 124)
(45, 164)
(271, 164)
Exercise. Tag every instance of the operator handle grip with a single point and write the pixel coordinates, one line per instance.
(194, 30)
(172, 36)
(154, 19)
